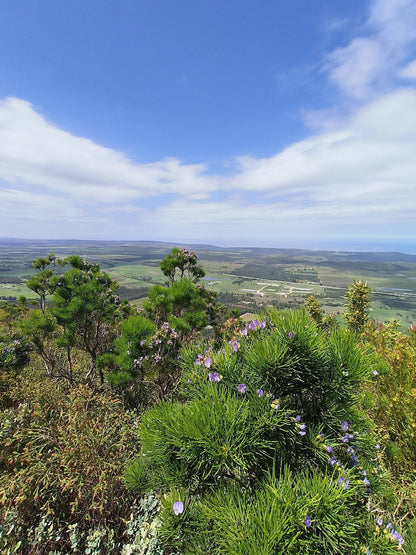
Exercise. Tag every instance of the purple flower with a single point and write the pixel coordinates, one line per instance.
(208, 362)
(199, 360)
(375, 373)
(263, 324)
(396, 536)
(345, 426)
(379, 521)
(242, 388)
(290, 334)
(178, 508)
(302, 429)
(345, 438)
(244, 332)
(377, 446)
(297, 418)
(343, 482)
(260, 392)
(234, 345)
(366, 481)
(329, 449)
(214, 377)
(307, 522)
(332, 460)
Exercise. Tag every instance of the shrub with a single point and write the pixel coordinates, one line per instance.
(214, 438)
(62, 462)
(284, 514)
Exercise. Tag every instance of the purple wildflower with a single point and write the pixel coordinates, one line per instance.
(307, 522)
(329, 449)
(302, 429)
(343, 482)
(260, 392)
(332, 460)
(178, 508)
(214, 377)
(290, 334)
(366, 481)
(234, 345)
(375, 373)
(208, 362)
(345, 426)
(396, 536)
(242, 388)
(263, 324)
(244, 332)
(379, 521)
(345, 438)
(297, 418)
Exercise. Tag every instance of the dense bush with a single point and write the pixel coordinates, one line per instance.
(273, 410)
(61, 464)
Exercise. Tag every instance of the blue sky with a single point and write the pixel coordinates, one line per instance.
(231, 122)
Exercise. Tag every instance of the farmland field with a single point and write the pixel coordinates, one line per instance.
(247, 278)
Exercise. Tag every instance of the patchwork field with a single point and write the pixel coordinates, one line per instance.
(249, 279)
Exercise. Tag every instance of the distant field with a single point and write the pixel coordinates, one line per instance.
(249, 279)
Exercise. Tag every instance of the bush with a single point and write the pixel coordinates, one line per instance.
(214, 438)
(61, 467)
(284, 514)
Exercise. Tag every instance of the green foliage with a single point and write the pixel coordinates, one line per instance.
(14, 355)
(181, 264)
(393, 393)
(265, 437)
(62, 460)
(358, 298)
(147, 360)
(129, 347)
(313, 306)
(41, 283)
(271, 519)
(411, 538)
(87, 309)
(284, 514)
(313, 373)
(216, 437)
(185, 305)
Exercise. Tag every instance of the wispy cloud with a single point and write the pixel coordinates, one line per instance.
(34, 151)
(366, 65)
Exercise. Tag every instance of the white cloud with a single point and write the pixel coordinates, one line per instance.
(360, 176)
(365, 66)
(409, 71)
(36, 152)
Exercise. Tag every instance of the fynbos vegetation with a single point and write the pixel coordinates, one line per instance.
(179, 428)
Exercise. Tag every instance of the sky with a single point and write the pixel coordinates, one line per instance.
(227, 122)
